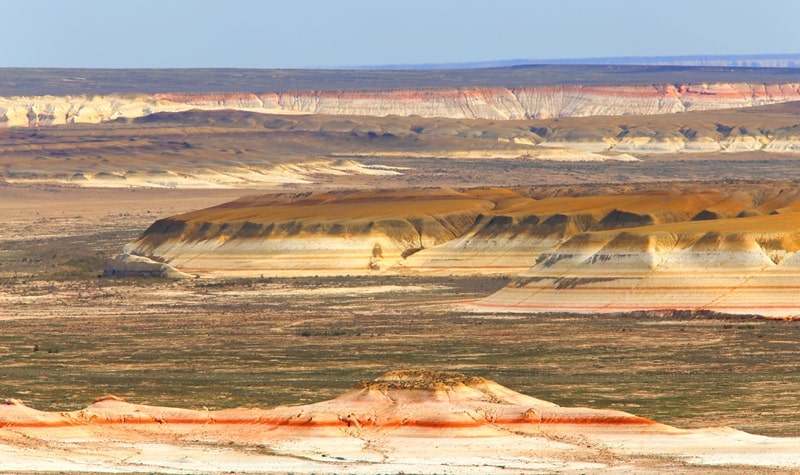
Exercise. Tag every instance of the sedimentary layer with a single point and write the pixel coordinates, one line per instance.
(389, 424)
(495, 103)
(746, 266)
(234, 149)
(721, 249)
(334, 233)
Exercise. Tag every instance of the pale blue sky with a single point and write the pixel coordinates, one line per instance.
(305, 33)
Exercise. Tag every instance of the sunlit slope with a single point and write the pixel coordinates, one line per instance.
(723, 248)
(325, 233)
(437, 230)
(511, 238)
(745, 265)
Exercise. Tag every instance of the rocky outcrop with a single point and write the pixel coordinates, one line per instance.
(126, 265)
(519, 229)
(742, 266)
(390, 425)
(495, 103)
(341, 233)
(719, 250)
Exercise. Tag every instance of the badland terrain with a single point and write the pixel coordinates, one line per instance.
(623, 238)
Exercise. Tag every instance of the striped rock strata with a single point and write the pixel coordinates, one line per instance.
(441, 231)
(313, 234)
(390, 424)
(747, 266)
(495, 103)
(587, 253)
(510, 238)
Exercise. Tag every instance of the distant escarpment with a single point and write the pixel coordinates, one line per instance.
(721, 249)
(495, 103)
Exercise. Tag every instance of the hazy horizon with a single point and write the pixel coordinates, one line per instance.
(359, 33)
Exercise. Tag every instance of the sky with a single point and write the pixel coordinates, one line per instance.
(357, 33)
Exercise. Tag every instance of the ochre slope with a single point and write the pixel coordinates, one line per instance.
(492, 230)
(511, 238)
(721, 248)
(324, 233)
(746, 265)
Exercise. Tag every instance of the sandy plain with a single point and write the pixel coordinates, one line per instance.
(265, 342)
(68, 336)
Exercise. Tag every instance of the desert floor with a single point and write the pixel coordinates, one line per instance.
(73, 196)
(68, 336)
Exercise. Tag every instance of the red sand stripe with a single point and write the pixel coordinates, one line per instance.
(276, 423)
(635, 306)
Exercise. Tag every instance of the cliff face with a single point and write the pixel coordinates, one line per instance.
(586, 254)
(717, 250)
(582, 101)
(322, 234)
(495, 103)
(744, 266)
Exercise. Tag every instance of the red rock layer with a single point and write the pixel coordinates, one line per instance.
(414, 399)
(406, 421)
(495, 103)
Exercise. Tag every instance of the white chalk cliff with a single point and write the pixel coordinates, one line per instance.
(494, 103)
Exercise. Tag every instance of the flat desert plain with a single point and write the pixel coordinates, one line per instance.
(364, 292)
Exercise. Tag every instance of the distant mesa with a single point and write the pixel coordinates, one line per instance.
(494, 103)
(575, 253)
(332, 233)
(727, 61)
